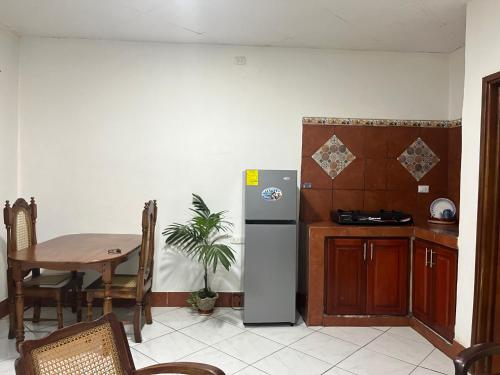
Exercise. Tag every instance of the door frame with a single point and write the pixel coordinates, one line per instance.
(486, 296)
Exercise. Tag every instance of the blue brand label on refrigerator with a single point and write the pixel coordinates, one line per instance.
(271, 194)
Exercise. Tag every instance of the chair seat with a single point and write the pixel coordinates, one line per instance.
(49, 280)
(118, 282)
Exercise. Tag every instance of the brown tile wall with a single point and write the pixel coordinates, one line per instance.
(375, 179)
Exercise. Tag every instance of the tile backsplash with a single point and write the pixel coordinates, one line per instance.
(377, 167)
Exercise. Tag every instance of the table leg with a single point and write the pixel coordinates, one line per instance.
(106, 278)
(18, 280)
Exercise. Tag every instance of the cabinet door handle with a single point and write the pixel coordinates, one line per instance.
(426, 256)
(430, 263)
(364, 251)
(371, 251)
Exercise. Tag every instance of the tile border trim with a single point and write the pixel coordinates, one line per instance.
(381, 122)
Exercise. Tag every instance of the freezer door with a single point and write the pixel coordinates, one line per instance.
(269, 280)
(274, 197)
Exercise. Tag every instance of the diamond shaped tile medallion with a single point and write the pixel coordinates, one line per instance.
(418, 159)
(333, 157)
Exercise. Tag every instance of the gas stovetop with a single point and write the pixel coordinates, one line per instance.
(371, 217)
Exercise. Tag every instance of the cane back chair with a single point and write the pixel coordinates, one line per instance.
(99, 347)
(136, 287)
(20, 221)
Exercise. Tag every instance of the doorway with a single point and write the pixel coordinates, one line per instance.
(486, 319)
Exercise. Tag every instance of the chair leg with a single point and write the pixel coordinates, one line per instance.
(137, 322)
(79, 300)
(147, 311)
(12, 305)
(59, 310)
(36, 311)
(90, 299)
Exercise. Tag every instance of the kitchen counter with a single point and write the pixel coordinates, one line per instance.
(446, 235)
(312, 254)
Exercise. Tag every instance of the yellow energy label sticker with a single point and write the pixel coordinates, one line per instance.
(252, 177)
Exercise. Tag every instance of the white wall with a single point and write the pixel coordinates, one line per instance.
(482, 57)
(8, 134)
(456, 84)
(108, 125)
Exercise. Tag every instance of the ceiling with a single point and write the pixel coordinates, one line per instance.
(386, 25)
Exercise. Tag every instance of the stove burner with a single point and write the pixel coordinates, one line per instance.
(381, 217)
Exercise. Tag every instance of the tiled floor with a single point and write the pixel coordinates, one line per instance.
(222, 340)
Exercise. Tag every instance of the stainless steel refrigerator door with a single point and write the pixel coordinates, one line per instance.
(257, 207)
(270, 273)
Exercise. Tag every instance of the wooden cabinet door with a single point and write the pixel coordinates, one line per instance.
(387, 277)
(346, 276)
(421, 290)
(443, 262)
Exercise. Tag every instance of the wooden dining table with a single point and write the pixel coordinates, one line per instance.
(74, 252)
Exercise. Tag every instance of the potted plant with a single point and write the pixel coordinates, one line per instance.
(201, 239)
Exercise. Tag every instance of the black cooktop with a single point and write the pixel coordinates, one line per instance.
(381, 217)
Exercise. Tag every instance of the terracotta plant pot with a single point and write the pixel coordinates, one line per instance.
(206, 305)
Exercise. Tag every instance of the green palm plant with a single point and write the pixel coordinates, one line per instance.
(201, 239)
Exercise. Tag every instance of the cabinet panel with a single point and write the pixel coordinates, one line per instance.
(421, 282)
(346, 276)
(387, 277)
(444, 281)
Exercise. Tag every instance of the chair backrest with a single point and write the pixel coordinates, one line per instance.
(98, 347)
(20, 221)
(146, 258)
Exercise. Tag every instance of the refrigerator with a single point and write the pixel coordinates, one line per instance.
(270, 261)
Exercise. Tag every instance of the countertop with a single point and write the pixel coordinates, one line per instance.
(446, 235)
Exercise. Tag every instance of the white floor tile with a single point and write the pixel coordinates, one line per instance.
(148, 331)
(382, 328)
(214, 357)
(8, 347)
(356, 335)
(248, 347)
(288, 361)
(234, 317)
(367, 362)
(160, 310)
(424, 371)
(438, 361)
(212, 331)
(170, 347)
(325, 347)
(284, 334)
(402, 348)
(7, 367)
(140, 360)
(250, 371)
(409, 333)
(4, 328)
(180, 318)
(337, 371)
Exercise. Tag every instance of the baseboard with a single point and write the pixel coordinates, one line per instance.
(451, 349)
(178, 299)
(365, 321)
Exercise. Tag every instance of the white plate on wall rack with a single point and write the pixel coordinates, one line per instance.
(439, 205)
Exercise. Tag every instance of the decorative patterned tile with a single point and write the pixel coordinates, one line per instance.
(333, 157)
(418, 159)
(381, 122)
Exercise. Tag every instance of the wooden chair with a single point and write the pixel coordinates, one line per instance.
(136, 287)
(466, 358)
(20, 221)
(98, 347)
